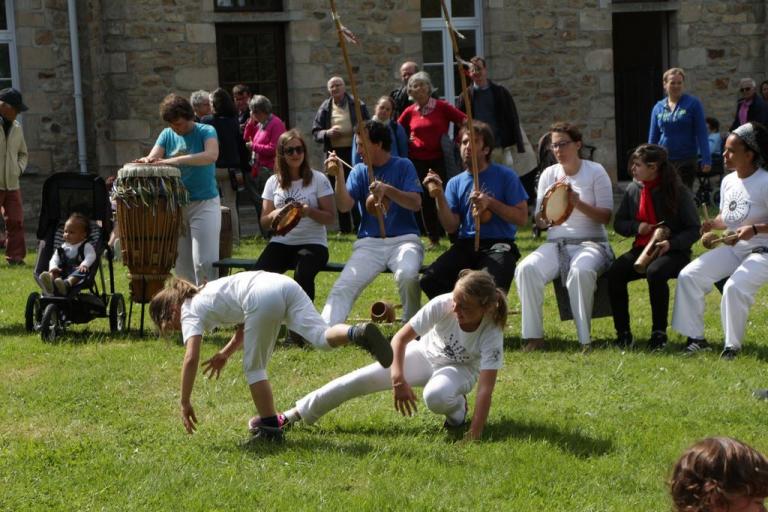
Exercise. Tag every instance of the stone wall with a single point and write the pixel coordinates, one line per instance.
(556, 60)
(390, 33)
(718, 44)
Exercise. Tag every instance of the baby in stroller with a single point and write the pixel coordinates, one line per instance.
(71, 260)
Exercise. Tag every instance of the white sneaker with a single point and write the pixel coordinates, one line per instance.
(46, 283)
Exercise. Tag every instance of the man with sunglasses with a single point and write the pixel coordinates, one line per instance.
(750, 106)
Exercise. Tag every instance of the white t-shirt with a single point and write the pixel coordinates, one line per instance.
(224, 301)
(594, 187)
(70, 251)
(446, 344)
(307, 231)
(744, 202)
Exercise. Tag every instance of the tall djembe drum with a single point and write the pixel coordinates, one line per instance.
(149, 200)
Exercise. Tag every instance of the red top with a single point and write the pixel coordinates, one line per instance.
(425, 131)
(645, 211)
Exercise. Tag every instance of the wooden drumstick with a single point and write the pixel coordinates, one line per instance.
(706, 211)
(345, 164)
(710, 240)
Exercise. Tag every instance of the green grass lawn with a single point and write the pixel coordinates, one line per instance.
(91, 422)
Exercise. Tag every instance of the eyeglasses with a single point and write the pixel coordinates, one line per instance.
(561, 145)
(293, 150)
(746, 89)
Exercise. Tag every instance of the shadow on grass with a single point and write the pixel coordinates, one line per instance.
(14, 330)
(74, 335)
(569, 441)
(515, 343)
(263, 448)
(385, 429)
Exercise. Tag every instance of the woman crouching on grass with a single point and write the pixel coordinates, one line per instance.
(720, 474)
(461, 339)
(258, 303)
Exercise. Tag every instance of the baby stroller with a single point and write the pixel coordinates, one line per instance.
(706, 193)
(63, 194)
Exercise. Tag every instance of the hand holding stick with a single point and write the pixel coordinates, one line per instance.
(468, 106)
(362, 132)
(710, 240)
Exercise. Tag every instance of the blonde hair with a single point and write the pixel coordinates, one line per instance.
(480, 285)
(673, 71)
(162, 305)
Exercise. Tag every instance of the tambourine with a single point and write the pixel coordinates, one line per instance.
(556, 205)
(287, 218)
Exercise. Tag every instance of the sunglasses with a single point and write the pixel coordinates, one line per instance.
(746, 89)
(293, 150)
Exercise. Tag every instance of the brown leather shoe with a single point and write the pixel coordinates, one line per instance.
(534, 345)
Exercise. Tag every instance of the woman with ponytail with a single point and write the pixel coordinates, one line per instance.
(657, 196)
(744, 210)
(461, 342)
(258, 303)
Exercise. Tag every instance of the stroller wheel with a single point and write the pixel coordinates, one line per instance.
(51, 324)
(33, 312)
(117, 313)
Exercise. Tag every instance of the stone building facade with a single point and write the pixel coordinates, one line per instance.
(557, 57)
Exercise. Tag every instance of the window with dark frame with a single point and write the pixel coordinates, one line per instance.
(254, 54)
(248, 5)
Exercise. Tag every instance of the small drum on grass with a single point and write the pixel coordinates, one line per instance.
(287, 218)
(556, 205)
(149, 201)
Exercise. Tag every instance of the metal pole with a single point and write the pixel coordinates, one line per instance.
(74, 43)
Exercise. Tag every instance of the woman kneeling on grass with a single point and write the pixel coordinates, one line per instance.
(462, 336)
(720, 474)
(258, 302)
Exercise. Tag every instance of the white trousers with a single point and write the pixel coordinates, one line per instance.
(277, 301)
(542, 266)
(229, 199)
(371, 256)
(444, 387)
(748, 273)
(199, 242)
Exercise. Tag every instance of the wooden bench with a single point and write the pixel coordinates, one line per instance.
(250, 264)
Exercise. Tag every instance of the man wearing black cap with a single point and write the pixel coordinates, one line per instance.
(13, 161)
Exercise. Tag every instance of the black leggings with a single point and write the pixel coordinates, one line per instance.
(661, 270)
(497, 256)
(430, 223)
(307, 259)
